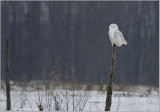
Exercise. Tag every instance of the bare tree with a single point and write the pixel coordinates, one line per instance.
(58, 96)
(40, 98)
(7, 77)
(119, 101)
(23, 96)
(111, 78)
(78, 97)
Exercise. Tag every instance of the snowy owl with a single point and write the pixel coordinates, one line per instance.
(116, 36)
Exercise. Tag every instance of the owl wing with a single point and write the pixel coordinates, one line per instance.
(110, 38)
(122, 37)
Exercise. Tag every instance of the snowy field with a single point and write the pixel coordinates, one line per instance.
(121, 101)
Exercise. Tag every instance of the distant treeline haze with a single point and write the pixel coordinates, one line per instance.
(49, 38)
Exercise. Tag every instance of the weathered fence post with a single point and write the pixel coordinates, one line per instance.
(111, 78)
(7, 78)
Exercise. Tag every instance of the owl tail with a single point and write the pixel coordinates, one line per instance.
(125, 43)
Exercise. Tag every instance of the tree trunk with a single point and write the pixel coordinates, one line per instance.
(7, 77)
(111, 78)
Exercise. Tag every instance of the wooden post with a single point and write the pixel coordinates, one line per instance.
(7, 77)
(111, 78)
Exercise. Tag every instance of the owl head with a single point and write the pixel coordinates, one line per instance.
(113, 27)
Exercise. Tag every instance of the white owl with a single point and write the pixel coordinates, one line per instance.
(116, 36)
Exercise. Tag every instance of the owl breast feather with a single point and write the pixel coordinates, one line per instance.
(115, 38)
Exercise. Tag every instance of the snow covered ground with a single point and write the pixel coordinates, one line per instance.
(121, 100)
